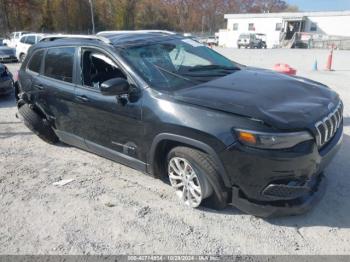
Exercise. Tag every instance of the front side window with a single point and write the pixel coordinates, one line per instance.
(313, 27)
(98, 68)
(59, 63)
(176, 63)
(23, 39)
(35, 62)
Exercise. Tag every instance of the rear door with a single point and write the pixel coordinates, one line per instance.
(56, 84)
(111, 126)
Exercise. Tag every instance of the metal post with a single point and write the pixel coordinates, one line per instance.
(92, 16)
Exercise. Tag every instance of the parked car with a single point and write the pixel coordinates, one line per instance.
(7, 54)
(14, 38)
(25, 43)
(249, 41)
(6, 81)
(262, 38)
(212, 40)
(219, 132)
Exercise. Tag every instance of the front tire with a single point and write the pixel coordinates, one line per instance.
(37, 124)
(192, 174)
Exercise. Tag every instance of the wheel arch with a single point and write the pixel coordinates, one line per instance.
(166, 141)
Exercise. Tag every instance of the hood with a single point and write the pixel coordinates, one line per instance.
(4, 50)
(279, 100)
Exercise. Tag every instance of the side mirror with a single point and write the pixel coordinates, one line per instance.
(115, 87)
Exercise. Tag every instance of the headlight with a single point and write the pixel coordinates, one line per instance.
(271, 140)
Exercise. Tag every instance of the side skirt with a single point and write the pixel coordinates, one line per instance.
(101, 150)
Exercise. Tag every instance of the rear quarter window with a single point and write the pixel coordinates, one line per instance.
(59, 63)
(35, 61)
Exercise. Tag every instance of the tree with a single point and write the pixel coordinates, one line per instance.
(68, 16)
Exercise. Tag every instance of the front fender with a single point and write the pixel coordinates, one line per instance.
(193, 143)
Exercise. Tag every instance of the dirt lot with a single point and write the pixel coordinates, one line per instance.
(112, 209)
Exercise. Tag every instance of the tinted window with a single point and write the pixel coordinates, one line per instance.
(59, 63)
(313, 27)
(23, 39)
(30, 40)
(35, 62)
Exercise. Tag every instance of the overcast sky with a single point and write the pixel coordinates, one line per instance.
(321, 5)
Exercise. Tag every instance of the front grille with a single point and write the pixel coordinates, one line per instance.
(328, 126)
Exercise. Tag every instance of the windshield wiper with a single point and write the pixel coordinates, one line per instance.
(211, 67)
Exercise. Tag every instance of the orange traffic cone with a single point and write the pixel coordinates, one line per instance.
(329, 61)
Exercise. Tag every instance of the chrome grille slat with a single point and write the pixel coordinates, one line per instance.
(334, 123)
(328, 126)
(336, 116)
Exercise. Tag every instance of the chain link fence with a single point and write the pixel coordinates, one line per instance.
(341, 44)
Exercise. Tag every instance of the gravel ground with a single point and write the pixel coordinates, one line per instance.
(112, 209)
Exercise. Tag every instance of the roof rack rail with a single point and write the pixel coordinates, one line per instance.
(102, 33)
(49, 38)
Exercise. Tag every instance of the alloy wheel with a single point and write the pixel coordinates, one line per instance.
(184, 178)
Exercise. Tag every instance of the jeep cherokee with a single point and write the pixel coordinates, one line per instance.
(219, 132)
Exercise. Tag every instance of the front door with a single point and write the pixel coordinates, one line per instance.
(110, 125)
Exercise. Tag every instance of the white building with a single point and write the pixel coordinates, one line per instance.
(279, 26)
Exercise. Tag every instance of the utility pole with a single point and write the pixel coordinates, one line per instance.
(203, 21)
(92, 16)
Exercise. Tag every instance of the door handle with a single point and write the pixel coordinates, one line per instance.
(82, 98)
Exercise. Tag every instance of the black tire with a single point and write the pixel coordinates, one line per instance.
(37, 124)
(207, 171)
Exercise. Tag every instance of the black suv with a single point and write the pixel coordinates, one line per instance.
(220, 132)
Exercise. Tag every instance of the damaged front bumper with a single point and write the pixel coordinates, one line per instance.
(282, 208)
(270, 183)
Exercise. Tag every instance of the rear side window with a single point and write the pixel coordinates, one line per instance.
(30, 40)
(59, 63)
(35, 62)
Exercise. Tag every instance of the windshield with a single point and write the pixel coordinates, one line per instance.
(177, 63)
(244, 36)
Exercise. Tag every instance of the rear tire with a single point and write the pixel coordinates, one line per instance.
(37, 124)
(205, 187)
